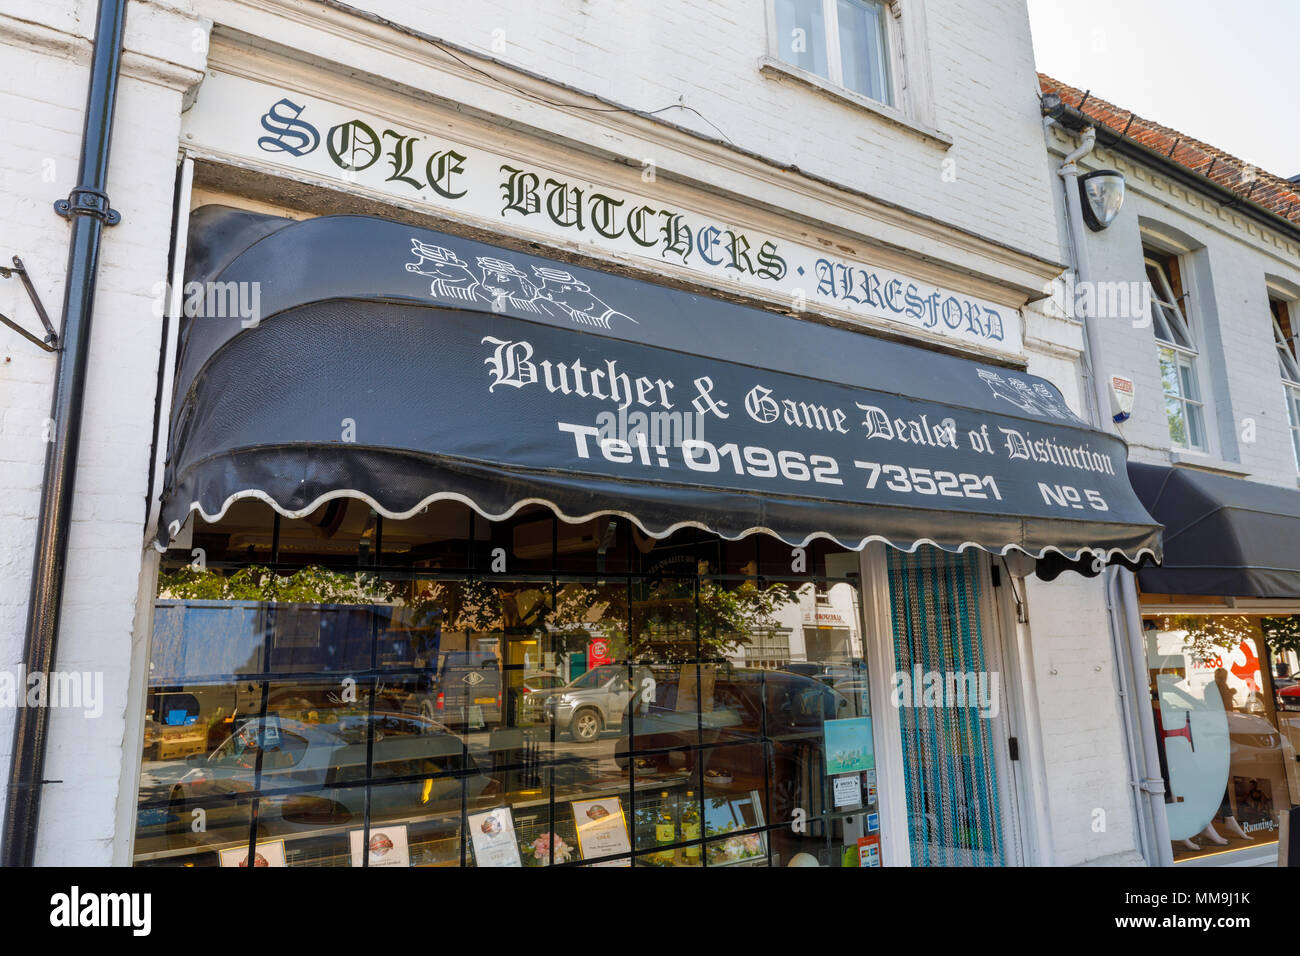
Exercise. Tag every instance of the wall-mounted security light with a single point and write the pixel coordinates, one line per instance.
(1102, 193)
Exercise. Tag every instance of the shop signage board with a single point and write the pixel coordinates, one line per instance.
(325, 140)
(825, 617)
(523, 379)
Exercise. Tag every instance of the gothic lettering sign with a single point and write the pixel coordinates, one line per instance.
(500, 378)
(330, 141)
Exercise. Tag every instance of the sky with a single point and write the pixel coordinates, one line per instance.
(1221, 71)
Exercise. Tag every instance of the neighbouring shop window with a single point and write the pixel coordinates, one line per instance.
(447, 691)
(843, 41)
(1184, 406)
(1284, 336)
(1227, 726)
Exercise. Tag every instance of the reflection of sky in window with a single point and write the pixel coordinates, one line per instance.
(799, 24)
(862, 49)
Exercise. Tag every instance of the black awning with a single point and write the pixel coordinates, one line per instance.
(403, 366)
(1223, 536)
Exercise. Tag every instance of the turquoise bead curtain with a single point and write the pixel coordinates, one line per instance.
(951, 773)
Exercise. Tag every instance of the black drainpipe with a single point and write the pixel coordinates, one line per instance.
(87, 206)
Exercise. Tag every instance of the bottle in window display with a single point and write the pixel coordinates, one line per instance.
(691, 828)
(665, 829)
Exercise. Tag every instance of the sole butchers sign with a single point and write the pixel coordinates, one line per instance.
(267, 124)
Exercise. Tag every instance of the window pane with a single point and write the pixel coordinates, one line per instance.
(1196, 426)
(801, 34)
(1221, 700)
(596, 708)
(1290, 370)
(1187, 376)
(1169, 372)
(862, 49)
(1159, 323)
(1166, 310)
(1177, 326)
(1177, 424)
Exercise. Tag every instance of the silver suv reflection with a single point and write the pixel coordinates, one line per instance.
(590, 703)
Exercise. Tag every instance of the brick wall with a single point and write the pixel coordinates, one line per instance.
(648, 55)
(42, 99)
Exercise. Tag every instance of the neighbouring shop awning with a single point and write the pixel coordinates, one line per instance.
(353, 356)
(1223, 536)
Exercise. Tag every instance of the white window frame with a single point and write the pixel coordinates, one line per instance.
(1180, 344)
(1288, 356)
(1184, 360)
(1292, 393)
(907, 70)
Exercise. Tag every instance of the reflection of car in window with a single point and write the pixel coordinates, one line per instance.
(305, 769)
(465, 691)
(589, 704)
(1288, 696)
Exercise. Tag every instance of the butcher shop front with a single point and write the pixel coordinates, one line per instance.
(473, 557)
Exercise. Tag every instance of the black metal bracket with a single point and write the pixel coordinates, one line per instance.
(83, 201)
(51, 343)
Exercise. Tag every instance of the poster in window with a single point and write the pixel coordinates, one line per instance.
(493, 836)
(388, 846)
(848, 746)
(270, 853)
(847, 790)
(602, 829)
(869, 851)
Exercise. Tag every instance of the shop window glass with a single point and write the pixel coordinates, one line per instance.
(1225, 730)
(403, 705)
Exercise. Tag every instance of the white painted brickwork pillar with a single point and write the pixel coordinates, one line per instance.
(46, 53)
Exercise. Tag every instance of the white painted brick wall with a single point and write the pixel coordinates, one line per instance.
(42, 98)
(1080, 721)
(646, 55)
(1237, 364)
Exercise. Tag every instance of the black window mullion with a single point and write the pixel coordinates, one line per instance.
(255, 807)
(370, 736)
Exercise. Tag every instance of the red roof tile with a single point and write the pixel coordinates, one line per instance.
(1272, 193)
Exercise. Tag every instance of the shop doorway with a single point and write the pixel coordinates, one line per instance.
(950, 695)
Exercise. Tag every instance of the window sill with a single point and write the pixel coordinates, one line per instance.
(770, 66)
(1205, 462)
